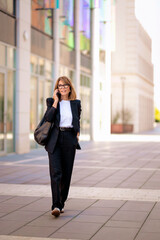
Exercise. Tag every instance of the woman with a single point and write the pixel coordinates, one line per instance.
(64, 111)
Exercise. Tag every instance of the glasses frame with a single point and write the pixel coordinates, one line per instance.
(65, 86)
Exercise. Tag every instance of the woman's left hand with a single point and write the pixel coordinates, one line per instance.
(78, 136)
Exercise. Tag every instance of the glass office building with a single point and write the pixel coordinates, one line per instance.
(7, 75)
(28, 64)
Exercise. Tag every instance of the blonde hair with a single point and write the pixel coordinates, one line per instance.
(66, 80)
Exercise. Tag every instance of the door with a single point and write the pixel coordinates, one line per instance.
(2, 112)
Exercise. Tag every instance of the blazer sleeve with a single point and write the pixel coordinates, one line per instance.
(51, 111)
(79, 115)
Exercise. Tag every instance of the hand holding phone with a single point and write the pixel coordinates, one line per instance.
(56, 95)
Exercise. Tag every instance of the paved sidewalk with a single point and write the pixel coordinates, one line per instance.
(114, 195)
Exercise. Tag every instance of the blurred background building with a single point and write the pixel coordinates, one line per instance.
(41, 40)
(132, 70)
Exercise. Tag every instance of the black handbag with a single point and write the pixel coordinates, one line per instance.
(42, 132)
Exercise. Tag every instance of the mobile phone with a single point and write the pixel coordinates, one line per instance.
(58, 95)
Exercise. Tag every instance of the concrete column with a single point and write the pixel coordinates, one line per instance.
(22, 115)
(56, 43)
(77, 49)
(106, 124)
(95, 72)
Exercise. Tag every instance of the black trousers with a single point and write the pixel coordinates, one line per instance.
(60, 166)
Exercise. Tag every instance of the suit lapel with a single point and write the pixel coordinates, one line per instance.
(72, 108)
(58, 115)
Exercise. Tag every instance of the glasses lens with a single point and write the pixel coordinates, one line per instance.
(63, 86)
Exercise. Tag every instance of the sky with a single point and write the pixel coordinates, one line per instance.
(148, 13)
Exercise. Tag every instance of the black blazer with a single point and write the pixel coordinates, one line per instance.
(53, 115)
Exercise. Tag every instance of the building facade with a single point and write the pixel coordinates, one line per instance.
(132, 70)
(41, 41)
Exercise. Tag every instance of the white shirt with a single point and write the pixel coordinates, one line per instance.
(65, 114)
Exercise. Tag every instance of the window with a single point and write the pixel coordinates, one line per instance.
(8, 6)
(7, 98)
(67, 22)
(3, 55)
(11, 57)
(85, 27)
(42, 19)
(34, 64)
(85, 94)
(8, 22)
(41, 88)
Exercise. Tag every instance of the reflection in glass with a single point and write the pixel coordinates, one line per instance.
(85, 101)
(40, 18)
(41, 66)
(1, 112)
(2, 55)
(103, 21)
(33, 109)
(64, 71)
(34, 64)
(67, 22)
(48, 89)
(10, 102)
(71, 76)
(48, 69)
(40, 100)
(7, 5)
(85, 27)
(11, 58)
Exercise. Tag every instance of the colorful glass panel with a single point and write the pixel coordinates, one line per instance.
(67, 22)
(85, 26)
(40, 18)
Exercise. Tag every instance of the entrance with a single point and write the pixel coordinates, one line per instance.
(3, 111)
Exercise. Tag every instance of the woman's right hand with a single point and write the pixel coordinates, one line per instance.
(55, 97)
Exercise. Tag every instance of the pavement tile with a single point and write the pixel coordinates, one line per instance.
(39, 205)
(130, 216)
(108, 203)
(7, 208)
(131, 184)
(155, 214)
(80, 227)
(4, 198)
(148, 236)
(50, 221)
(79, 204)
(34, 231)
(137, 206)
(2, 214)
(22, 216)
(6, 226)
(70, 236)
(110, 233)
(123, 224)
(91, 218)
(157, 206)
(21, 200)
(151, 225)
(97, 211)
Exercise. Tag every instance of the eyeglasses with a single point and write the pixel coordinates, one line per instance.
(63, 86)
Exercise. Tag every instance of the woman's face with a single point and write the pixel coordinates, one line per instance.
(63, 88)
